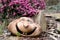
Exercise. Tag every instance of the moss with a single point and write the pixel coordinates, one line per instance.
(18, 34)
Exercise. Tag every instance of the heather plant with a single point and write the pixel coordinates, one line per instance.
(20, 7)
(38, 4)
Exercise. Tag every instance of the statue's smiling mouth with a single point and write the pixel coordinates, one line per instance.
(23, 32)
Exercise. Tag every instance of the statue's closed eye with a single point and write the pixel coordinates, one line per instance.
(29, 21)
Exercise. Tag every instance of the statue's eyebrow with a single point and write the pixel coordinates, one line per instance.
(22, 19)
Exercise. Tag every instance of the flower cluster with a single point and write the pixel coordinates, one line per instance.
(21, 7)
(38, 4)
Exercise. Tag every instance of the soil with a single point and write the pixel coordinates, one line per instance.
(44, 37)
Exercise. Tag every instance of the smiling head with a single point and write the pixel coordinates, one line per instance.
(26, 24)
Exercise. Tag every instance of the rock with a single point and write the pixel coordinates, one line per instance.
(40, 19)
(58, 26)
(56, 15)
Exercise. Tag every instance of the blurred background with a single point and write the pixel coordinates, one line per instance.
(53, 5)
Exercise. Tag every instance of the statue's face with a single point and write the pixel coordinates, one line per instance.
(26, 24)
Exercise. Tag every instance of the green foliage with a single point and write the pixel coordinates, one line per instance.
(6, 21)
(52, 2)
(18, 34)
(53, 7)
(2, 27)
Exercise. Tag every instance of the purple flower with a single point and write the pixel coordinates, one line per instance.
(22, 7)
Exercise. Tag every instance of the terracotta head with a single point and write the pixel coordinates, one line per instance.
(26, 26)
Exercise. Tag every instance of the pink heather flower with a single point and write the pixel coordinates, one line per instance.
(22, 7)
(4, 1)
(0, 1)
(14, 14)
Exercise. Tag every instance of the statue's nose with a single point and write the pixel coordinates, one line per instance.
(26, 25)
